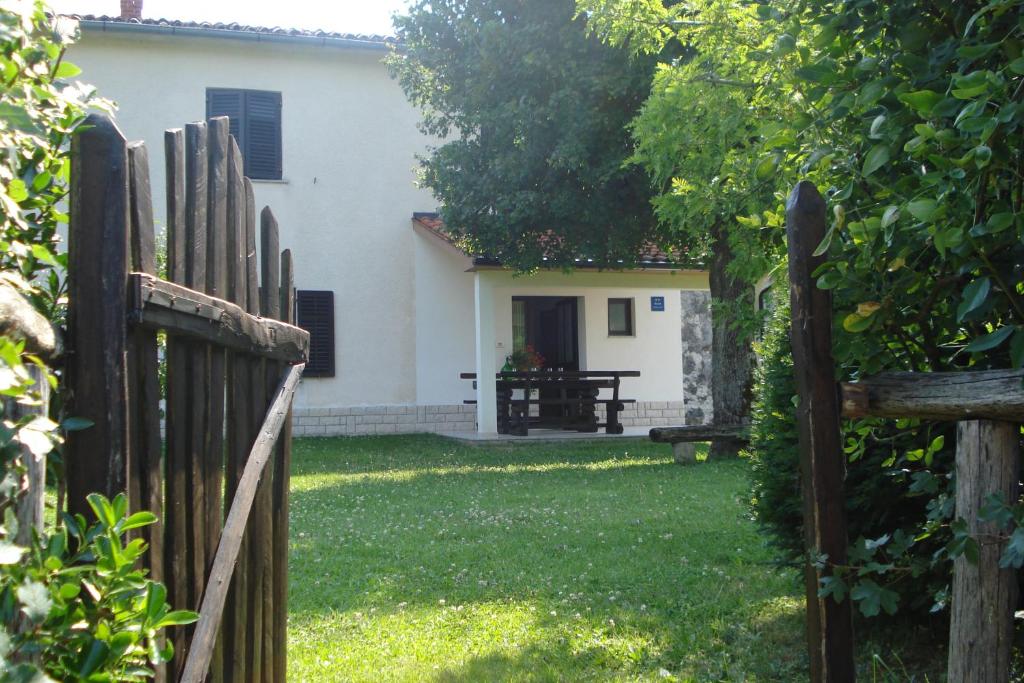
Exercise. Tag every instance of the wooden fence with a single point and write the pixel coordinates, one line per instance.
(988, 407)
(233, 360)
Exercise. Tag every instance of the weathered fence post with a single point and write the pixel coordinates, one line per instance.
(822, 465)
(97, 312)
(984, 596)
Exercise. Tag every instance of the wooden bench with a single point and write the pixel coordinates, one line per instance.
(575, 393)
(684, 439)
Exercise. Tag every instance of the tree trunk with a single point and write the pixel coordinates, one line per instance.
(731, 353)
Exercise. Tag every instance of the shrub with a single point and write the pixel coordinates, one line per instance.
(83, 609)
(894, 527)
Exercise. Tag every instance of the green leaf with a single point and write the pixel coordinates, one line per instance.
(890, 216)
(999, 222)
(923, 209)
(17, 191)
(990, 341)
(66, 70)
(877, 157)
(982, 156)
(872, 598)
(856, 323)
(974, 296)
(94, 658)
(921, 101)
(179, 617)
(825, 242)
(139, 519)
(76, 424)
(766, 168)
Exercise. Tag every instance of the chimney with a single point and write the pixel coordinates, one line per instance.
(131, 9)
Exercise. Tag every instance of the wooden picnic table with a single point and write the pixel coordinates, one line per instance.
(573, 393)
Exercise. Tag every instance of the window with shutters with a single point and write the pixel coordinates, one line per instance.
(255, 121)
(314, 312)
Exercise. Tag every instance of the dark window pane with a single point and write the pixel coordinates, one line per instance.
(620, 317)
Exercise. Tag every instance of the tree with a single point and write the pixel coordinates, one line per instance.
(699, 136)
(909, 115)
(532, 115)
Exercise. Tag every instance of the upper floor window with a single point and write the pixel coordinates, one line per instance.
(255, 121)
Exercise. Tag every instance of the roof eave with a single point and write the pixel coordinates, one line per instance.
(105, 26)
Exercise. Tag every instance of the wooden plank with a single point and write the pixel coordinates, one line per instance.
(984, 596)
(235, 247)
(216, 285)
(270, 306)
(282, 479)
(829, 623)
(251, 266)
(176, 505)
(145, 443)
(239, 390)
(257, 401)
(698, 433)
(212, 609)
(174, 154)
(196, 209)
(187, 313)
(97, 308)
(963, 395)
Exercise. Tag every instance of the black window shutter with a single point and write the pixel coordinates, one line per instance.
(263, 134)
(314, 312)
(227, 102)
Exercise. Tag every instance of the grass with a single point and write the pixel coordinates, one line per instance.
(416, 558)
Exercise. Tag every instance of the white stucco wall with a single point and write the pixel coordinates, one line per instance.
(654, 349)
(445, 322)
(349, 142)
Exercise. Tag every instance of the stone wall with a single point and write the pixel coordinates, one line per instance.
(441, 419)
(400, 419)
(696, 331)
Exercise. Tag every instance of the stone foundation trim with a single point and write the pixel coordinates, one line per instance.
(441, 419)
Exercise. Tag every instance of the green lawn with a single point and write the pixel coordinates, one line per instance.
(417, 559)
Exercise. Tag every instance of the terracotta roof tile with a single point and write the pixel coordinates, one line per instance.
(652, 256)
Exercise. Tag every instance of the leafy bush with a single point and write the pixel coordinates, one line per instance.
(81, 607)
(897, 528)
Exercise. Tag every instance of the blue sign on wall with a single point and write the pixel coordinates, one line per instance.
(657, 303)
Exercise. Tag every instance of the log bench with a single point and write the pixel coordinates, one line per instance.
(684, 439)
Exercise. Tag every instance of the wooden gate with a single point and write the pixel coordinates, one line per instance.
(196, 443)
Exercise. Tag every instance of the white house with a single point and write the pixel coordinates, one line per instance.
(398, 311)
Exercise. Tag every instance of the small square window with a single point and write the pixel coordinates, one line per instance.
(620, 317)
